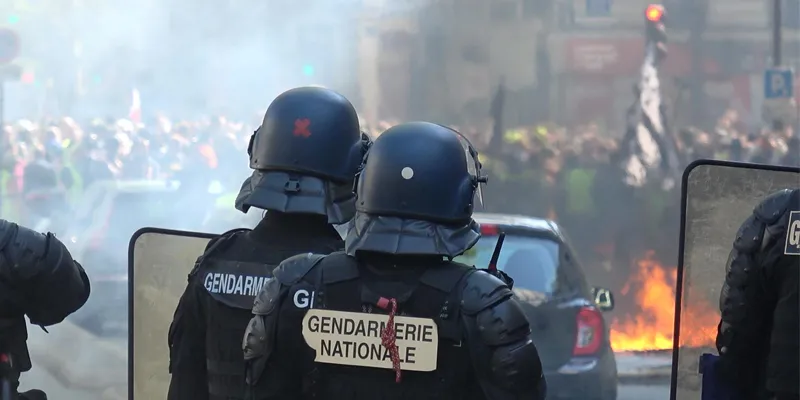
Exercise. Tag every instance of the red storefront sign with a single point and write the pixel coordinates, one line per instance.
(620, 57)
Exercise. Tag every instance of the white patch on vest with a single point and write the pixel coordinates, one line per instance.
(407, 173)
(348, 338)
(243, 285)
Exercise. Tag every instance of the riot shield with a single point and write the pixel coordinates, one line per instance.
(159, 261)
(717, 197)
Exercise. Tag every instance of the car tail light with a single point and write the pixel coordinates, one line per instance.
(489, 230)
(589, 335)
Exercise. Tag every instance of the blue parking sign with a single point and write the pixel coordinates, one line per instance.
(598, 8)
(778, 83)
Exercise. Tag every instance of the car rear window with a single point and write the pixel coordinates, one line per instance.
(531, 261)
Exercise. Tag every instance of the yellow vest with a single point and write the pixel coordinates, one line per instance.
(5, 212)
(579, 191)
(74, 193)
(9, 202)
(226, 201)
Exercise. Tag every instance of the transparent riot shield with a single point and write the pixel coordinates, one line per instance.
(717, 197)
(159, 263)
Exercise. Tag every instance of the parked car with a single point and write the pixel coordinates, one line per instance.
(565, 313)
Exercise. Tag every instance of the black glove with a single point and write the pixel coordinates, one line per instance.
(34, 394)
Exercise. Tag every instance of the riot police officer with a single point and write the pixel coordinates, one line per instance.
(452, 331)
(38, 278)
(760, 325)
(304, 156)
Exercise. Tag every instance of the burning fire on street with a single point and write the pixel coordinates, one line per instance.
(653, 287)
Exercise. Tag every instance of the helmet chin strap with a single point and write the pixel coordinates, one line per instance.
(250, 144)
(478, 180)
(366, 144)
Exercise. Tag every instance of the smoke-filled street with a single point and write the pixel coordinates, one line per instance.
(40, 378)
(631, 391)
(577, 120)
(639, 392)
(626, 392)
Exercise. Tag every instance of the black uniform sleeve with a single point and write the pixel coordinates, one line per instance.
(744, 299)
(187, 343)
(505, 359)
(272, 371)
(39, 275)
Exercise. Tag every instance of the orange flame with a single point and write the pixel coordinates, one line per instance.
(653, 325)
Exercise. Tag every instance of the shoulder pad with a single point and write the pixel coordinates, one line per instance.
(7, 231)
(774, 206)
(220, 242)
(482, 291)
(237, 230)
(268, 298)
(338, 267)
(295, 268)
(228, 235)
(750, 235)
(214, 245)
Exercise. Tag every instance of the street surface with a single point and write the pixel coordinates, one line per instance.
(90, 360)
(55, 390)
(39, 378)
(643, 392)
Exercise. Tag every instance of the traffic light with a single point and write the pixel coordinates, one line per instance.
(12, 19)
(654, 12)
(655, 31)
(308, 70)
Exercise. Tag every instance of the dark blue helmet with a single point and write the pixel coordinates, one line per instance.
(305, 156)
(416, 194)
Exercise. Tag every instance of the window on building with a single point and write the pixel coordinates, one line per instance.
(686, 14)
(475, 54)
(396, 40)
(790, 14)
(504, 10)
(536, 8)
(435, 47)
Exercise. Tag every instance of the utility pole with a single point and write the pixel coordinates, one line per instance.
(697, 13)
(777, 39)
(777, 44)
(9, 50)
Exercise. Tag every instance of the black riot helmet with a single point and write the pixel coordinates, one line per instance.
(416, 193)
(305, 156)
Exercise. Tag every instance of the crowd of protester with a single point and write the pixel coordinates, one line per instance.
(569, 175)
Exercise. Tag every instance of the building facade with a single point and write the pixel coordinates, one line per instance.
(571, 61)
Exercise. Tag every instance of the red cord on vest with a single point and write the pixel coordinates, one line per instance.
(389, 336)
